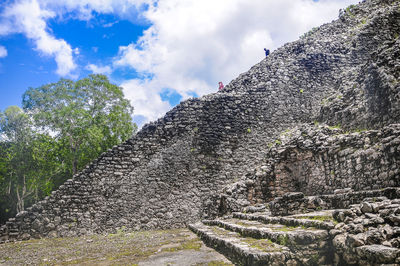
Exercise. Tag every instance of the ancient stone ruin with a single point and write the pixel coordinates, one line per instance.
(295, 162)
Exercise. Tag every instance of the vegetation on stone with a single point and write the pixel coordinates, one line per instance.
(265, 245)
(318, 218)
(62, 127)
(123, 248)
(306, 153)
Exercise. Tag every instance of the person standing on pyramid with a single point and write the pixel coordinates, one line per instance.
(221, 86)
(266, 52)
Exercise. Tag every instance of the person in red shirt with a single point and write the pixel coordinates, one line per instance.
(221, 86)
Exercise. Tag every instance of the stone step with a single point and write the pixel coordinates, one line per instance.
(258, 208)
(305, 220)
(13, 234)
(291, 236)
(297, 202)
(243, 250)
(378, 254)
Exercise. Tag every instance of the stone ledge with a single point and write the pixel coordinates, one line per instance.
(299, 203)
(285, 220)
(238, 250)
(292, 236)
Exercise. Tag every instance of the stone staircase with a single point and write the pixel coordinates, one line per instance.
(259, 239)
(362, 233)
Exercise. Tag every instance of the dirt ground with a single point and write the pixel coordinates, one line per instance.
(167, 247)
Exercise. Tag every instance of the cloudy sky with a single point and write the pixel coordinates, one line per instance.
(159, 51)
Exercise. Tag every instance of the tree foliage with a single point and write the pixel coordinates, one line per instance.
(61, 128)
(22, 167)
(87, 116)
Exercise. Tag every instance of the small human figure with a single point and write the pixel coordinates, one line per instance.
(221, 86)
(266, 52)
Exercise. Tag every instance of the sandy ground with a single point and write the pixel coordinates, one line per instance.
(167, 247)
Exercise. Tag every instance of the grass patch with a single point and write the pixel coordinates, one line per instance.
(264, 245)
(132, 253)
(194, 244)
(122, 248)
(309, 33)
(218, 263)
(338, 126)
(245, 224)
(321, 218)
(314, 259)
(214, 263)
(220, 231)
(283, 240)
(283, 228)
(286, 228)
(349, 10)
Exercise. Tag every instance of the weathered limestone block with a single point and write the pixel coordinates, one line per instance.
(258, 133)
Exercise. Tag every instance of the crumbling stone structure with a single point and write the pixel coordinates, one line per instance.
(319, 114)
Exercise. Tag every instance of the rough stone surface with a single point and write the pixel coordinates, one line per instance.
(285, 242)
(288, 205)
(241, 251)
(327, 237)
(369, 232)
(319, 116)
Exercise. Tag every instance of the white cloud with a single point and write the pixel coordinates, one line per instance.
(28, 18)
(99, 69)
(190, 46)
(3, 51)
(144, 100)
(83, 9)
(193, 44)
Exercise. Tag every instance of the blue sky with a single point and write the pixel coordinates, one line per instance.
(25, 67)
(159, 52)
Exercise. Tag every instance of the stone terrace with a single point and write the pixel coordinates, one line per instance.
(259, 139)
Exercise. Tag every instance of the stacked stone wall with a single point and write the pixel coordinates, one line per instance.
(316, 160)
(297, 202)
(172, 171)
(320, 160)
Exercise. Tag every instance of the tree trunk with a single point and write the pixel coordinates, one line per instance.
(21, 197)
(20, 201)
(74, 166)
(74, 150)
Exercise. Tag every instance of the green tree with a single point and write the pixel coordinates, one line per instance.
(17, 135)
(63, 126)
(87, 117)
(7, 206)
(28, 161)
(48, 165)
